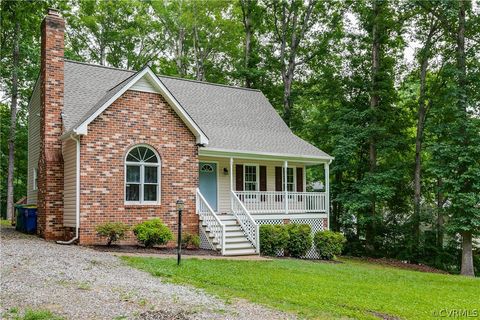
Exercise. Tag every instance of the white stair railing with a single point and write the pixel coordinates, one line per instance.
(248, 224)
(213, 224)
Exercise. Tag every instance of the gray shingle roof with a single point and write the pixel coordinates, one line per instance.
(233, 118)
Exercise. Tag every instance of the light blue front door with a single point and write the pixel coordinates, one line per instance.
(208, 182)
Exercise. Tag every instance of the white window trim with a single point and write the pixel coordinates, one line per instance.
(294, 168)
(35, 179)
(142, 166)
(257, 176)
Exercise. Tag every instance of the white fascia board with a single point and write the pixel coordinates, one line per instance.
(225, 153)
(82, 129)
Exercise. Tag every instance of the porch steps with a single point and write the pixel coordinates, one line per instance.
(236, 243)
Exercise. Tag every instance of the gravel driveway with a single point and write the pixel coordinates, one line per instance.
(80, 283)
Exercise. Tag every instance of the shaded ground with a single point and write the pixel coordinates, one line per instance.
(155, 250)
(402, 265)
(80, 283)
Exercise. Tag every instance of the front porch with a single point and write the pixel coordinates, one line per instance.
(238, 193)
(265, 203)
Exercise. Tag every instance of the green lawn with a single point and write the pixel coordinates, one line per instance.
(319, 290)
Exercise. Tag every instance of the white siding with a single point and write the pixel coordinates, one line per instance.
(224, 180)
(144, 85)
(70, 191)
(33, 141)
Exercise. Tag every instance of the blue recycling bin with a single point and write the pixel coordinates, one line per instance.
(30, 219)
(20, 218)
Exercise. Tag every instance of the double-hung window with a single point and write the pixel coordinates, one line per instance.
(250, 178)
(290, 179)
(142, 176)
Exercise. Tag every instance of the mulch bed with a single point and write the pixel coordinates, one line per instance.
(154, 250)
(401, 264)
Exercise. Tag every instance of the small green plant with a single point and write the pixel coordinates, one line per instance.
(299, 239)
(84, 286)
(273, 238)
(152, 232)
(38, 315)
(329, 244)
(190, 240)
(113, 231)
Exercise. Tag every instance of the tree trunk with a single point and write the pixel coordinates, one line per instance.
(337, 206)
(421, 115)
(179, 52)
(440, 219)
(287, 92)
(467, 255)
(247, 25)
(290, 31)
(374, 103)
(13, 123)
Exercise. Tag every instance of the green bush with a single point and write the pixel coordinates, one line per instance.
(329, 243)
(273, 238)
(299, 239)
(113, 231)
(152, 232)
(190, 240)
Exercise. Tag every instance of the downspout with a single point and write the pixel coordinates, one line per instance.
(77, 193)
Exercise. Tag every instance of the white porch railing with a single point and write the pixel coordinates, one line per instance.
(211, 220)
(248, 224)
(257, 202)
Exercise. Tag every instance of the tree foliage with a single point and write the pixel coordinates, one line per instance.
(390, 89)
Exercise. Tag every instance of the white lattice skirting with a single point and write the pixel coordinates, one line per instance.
(204, 241)
(315, 224)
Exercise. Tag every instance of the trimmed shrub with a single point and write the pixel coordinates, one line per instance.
(113, 231)
(299, 239)
(329, 244)
(152, 232)
(190, 240)
(273, 238)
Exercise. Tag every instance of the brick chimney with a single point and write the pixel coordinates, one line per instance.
(50, 165)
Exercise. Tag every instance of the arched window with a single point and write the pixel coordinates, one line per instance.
(142, 176)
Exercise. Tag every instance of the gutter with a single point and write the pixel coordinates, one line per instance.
(77, 193)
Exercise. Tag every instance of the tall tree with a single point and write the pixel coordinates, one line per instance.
(298, 38)
(114, 33)
(20, 21)
(427, 30)
(251, 16)
(466, 188)
(13, 116)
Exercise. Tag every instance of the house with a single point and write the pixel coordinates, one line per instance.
(107, 144)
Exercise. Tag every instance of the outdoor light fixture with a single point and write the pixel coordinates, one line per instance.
(180, 206)
(225, 171)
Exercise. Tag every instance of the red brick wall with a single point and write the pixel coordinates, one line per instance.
(50, 165)
(136, 118)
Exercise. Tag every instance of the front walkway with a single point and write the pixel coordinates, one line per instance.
(80, 283)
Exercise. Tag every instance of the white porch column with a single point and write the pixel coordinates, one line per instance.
(285, 185)
(327, 192)
(231, 183)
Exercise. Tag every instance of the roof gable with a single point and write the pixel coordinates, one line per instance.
(144, 80)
